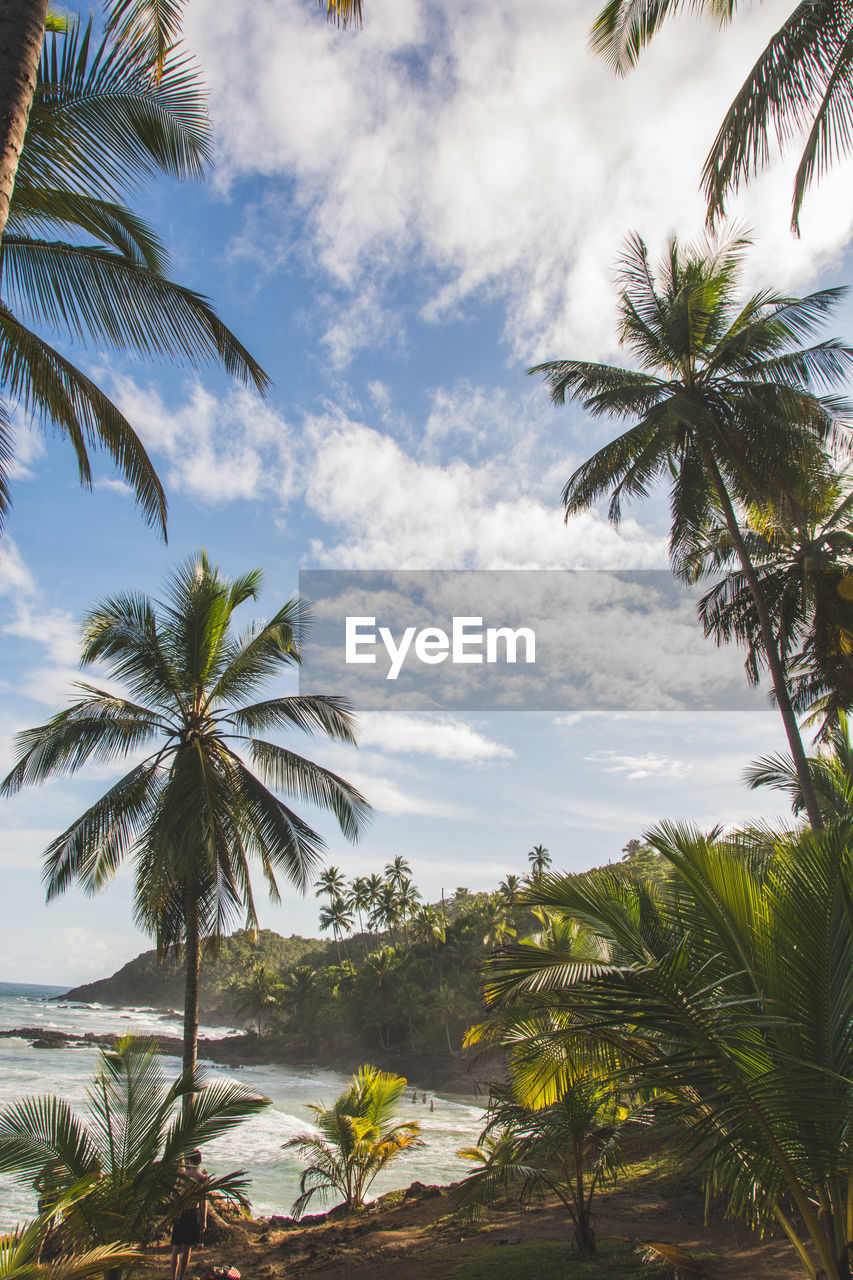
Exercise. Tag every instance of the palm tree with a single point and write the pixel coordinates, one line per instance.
(496, 927)
(568, 1149)
(802, 79)
(360, 1135)
(359, 899)
(510, 889)
(258, 995)
(728, 993)
(20, 1253)
(386, 913)
(129, 1144)
(540, 860)
(337, 917)
(724, 408)
(145, 30)
(299, 997)
(76, 261)
(331, 882)
(397, 871)
(831, 770)
(804, 561)
(191, 813)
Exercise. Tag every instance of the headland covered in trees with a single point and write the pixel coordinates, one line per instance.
(399, 983)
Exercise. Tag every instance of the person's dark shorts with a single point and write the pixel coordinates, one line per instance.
(186, 1229)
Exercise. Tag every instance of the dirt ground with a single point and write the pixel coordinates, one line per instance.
(416, 1239)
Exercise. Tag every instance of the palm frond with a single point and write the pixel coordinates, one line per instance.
(97, 293)
(50, 386)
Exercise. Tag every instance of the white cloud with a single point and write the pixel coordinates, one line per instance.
(483, 151)
(397, 507)
(386, 796)
(54, 629)
(219, 448)
(475, 484)
(15, 578)
(444, 739)
(113, 485)
(649, 765)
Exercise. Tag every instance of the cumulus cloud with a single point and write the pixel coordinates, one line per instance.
(483, 152)
(444, 739)
(474, 483)
(397, 506)
(15, 578)
(219, 448)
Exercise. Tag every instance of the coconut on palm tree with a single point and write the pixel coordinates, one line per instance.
(727, 407)
(191, 813)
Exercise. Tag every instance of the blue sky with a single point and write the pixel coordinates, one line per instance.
(400, 221)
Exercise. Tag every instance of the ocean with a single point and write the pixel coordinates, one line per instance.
(255, 1146)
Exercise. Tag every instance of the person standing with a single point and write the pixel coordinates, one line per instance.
(188, 1227)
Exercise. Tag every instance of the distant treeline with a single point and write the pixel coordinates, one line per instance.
(399, 975)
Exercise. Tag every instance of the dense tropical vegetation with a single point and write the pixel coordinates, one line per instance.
(408, 983)
(191, 814)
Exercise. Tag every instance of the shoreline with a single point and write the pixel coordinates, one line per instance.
(465, 1077)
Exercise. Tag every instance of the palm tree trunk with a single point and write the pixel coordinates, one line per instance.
(191, 961)
(771, 650)
(22, 24)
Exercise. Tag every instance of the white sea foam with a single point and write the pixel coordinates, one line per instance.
(256, 1146)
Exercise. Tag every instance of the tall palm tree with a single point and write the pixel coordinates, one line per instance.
(192, 814)
(397, 871)
(146, 30)
(359, 900)
(337, 917)
(802, 79)
(331, 881)
(725, 406)
(77, 261)
(804, 561)
(540, 860)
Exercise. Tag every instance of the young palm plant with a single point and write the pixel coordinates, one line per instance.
(727, 994)
(128, 1146)
(359, 1136)
(568, 1149)
(21, 1248)
(725, 406)
(192, 814)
